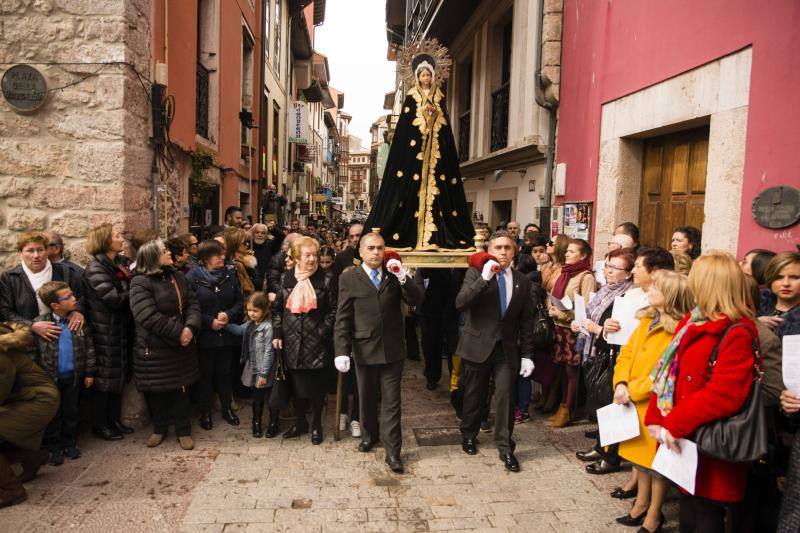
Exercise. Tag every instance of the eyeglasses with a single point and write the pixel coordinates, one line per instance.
(549, 243)
(69, 296)
(612, 267)
(355, 236)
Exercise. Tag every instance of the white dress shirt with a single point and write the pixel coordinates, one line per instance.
(369, 269)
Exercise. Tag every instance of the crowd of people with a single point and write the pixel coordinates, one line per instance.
(268, 315)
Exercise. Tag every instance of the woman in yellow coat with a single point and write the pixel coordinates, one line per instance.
(670, 299)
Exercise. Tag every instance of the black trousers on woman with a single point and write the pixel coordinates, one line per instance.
(172, 405)
(106, 407)
(215, 376)
(701, 515)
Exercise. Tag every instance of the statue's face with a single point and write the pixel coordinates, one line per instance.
(425, 78)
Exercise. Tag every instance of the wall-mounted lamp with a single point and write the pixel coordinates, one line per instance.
(497, 174)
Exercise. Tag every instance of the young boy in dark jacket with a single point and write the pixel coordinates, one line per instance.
(70, 363)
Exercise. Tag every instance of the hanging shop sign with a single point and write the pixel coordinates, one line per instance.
(777, 207)
(24, 88)
(298, 123)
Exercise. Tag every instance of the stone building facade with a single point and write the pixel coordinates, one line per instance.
(83, 157)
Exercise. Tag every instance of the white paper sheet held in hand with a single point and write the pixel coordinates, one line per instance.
(679, 467)
(617, 423)
(562, 304)
(791, 363)
(580, 312)
(624, 312)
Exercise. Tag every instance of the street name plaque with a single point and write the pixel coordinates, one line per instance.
(24, 88)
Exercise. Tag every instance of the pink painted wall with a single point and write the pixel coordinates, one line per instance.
(612, 48)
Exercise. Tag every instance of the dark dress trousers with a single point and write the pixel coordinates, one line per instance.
(491, 344)
(439, 317)
(369, 324)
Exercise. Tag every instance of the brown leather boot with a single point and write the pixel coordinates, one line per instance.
(562, 417)
(29, 460)
(11, 490)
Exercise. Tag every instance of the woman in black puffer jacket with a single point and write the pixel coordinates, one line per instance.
(165, 360)
(302, 319)
(221, 302)
(106, 283)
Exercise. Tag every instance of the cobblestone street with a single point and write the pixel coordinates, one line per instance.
(232, 482)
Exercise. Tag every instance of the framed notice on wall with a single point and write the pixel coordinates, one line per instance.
(577, 220)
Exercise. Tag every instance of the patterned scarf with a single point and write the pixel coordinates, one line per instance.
(665, 372)
(594, 311)
(303, 297)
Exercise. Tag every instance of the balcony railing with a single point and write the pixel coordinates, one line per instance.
(463, 136)
(201, 109)
(499, 118)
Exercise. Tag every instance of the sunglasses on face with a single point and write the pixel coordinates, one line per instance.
(66, 297)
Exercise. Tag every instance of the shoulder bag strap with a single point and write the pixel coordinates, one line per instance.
(178, 294)
(756, 351)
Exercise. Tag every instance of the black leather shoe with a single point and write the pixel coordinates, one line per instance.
(588, 455)
(316, 436)
(622, 494)
(229, 416)
(602, 467)
(106, 433)
(469, 446)
(366, 445)
(431, 385)
(658, 528)
(632, 521)
(258, 431)
(395, 464)
(509, 461)
(294, 432)
(121, 428)
(206, 421)
(272, 431)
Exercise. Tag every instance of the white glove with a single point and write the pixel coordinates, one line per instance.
(342, 363)
(488, 269)
(525, 367)
(396, 267)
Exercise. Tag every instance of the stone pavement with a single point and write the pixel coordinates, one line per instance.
(232, 482)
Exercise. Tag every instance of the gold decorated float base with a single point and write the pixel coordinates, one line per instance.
(421, 259)
(436, 258)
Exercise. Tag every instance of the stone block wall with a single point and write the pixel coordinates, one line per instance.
(551, 48)
(84, 157)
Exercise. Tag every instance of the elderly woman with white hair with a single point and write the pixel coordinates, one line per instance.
(617, 242)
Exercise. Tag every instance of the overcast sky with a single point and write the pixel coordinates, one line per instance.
(354, 39)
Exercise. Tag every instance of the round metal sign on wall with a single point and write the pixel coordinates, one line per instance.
(24, 88)
(777, 207)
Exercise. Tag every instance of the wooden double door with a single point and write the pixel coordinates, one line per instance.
(673, 185)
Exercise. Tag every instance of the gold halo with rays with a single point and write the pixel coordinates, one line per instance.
(433, 48)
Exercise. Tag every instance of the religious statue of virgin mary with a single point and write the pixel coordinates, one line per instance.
(421, 204)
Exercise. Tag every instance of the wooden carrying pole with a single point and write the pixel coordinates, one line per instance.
(337, 414)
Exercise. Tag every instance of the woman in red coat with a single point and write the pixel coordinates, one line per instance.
(686, 395)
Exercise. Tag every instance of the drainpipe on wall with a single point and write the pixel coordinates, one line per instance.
(552, 107)
(263, 104)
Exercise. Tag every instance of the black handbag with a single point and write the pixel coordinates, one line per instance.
(544, 329)
(742, 437)
(281, 390)
(598, 374)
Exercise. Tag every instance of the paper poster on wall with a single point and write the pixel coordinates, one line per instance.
(577, 219)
